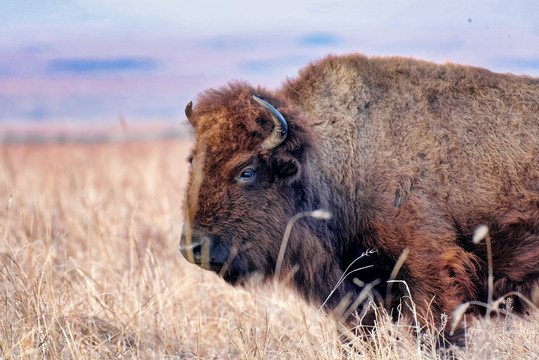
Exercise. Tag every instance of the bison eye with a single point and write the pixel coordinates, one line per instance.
(246, 175)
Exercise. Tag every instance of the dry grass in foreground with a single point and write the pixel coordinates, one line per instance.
(89, 268)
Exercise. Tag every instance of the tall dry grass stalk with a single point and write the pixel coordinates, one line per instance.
(89, 268)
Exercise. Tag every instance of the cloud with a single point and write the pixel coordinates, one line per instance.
(276, 64)
(518, 63)
(4, 72)
(319, 39)
(39, 113)
(90, 65)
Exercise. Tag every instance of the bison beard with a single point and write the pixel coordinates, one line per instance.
(407, 156)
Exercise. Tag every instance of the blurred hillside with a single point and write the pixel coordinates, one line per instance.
(122, 131)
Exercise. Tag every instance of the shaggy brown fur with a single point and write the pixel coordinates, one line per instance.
(405, 154)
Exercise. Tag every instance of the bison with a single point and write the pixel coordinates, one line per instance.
(407, 157)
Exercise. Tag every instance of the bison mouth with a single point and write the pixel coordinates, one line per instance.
(211, 254)
(211, 266)
(228, 270)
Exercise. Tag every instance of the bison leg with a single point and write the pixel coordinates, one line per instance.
(516, 262)
(439, 274)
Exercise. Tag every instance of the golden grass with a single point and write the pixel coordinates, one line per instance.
(89, 268)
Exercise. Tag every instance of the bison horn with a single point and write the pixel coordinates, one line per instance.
(279, 131)
(189, 111)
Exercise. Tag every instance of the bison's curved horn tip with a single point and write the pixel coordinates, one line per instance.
(189, 109)
(281, 127)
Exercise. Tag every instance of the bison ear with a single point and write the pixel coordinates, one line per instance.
(285, 166)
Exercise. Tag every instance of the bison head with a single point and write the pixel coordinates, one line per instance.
(249, 176)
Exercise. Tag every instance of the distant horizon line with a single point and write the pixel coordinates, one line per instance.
(84, 133)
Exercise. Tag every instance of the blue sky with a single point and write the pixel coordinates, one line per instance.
(91, 61)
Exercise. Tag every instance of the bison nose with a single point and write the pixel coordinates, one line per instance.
(196, 250)
(191, 252)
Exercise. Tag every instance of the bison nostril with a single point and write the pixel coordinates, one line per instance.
(196, 251)
(191, 252)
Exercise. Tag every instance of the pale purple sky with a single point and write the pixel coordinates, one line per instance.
(91, 61)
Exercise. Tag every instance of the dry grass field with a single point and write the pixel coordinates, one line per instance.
(89, 268)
